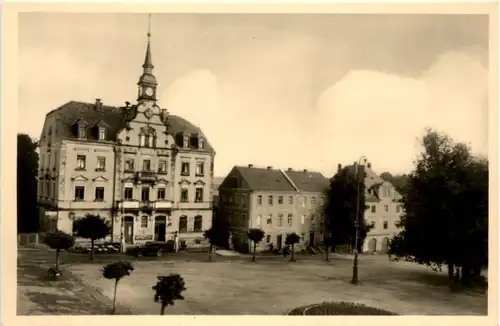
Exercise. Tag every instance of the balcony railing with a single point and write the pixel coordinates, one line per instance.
(146, 205)
(146, 176)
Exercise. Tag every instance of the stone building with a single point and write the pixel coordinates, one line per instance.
(147, 171)
(278, 202)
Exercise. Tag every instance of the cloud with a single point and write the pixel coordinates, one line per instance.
(380, 115)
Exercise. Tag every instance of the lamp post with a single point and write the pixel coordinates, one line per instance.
(356, 222)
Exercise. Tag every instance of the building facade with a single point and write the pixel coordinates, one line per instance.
(383, 210)
(278, 202)
(147, 171)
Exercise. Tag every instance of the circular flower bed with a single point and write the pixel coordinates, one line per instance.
(339, 308)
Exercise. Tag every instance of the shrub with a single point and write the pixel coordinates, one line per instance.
(345, 309)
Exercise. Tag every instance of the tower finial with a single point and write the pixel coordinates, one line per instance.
(149, 26)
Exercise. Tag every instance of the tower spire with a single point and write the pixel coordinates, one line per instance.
(147, 82)
(148, 62)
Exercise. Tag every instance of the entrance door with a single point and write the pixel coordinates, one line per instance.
(128, 232)
(279, 241)
(372, 245)
(385, 245)
(160, 228)
(311, 239)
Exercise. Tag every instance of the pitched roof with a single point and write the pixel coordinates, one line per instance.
(308, 181)
(115, 118)
(268, 179)
(264, 179)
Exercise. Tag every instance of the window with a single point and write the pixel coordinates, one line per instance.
(302, 219)
(82, 132)
(183, 223)
(270, 200)
(243, 200)
(280, 219)
(142, 140)
(184, 195)
(201, 143)
(302, 200)
(79, 193)
(302, 237)
(80, 162)
(186, 142)
(313, 201)
(129, 164)
(280, 200)
(161, 193)
(398, 208)
(199, 195)
(374, 209)
(321, 201)
(270, 219)
(259, 200)
(386, 208)
(290, 219)
(198, 221)
(258, 220)
(101, 163)
(146, 165)
(185, 168)
(128, 193)
(144, 221)
(385, 225)
(373, 224)
(145, 194)
(200, 169)
(162, 167)
(99, 193)
(268, 238)
(290, 200)
(102, 134)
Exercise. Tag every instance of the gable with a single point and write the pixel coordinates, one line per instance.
(233, 180)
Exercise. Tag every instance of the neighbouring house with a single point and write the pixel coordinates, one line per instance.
(383, 212)
(277, 201)
(147, 171)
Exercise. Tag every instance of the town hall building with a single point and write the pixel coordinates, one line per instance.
(147, 171)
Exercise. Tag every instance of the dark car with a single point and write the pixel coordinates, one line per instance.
(152, 248)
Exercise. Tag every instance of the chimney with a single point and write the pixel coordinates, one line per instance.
(250, 165)
(98, 103)
(339, 167)
(290, 169)
(369, 165)
(269, 167)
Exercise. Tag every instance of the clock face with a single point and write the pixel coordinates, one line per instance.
(149, 91)
(148, 113)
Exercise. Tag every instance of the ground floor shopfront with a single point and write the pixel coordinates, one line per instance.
(137, 227)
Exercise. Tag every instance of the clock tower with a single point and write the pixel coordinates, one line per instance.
(147, 82)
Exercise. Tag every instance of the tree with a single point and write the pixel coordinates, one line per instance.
(117, 271)
(340, 208)
(217, 235)
(58, 240)
(27, 170)
(168, 289)
(291, 240)
(398, 181)
(445, 205)
(256, 236)
(92, 227)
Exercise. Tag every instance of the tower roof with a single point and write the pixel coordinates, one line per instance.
(147, 76)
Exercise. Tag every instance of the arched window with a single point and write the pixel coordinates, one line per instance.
(183, 224)
(198, 222)
(142, 140)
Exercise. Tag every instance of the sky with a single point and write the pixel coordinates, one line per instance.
(282, 90)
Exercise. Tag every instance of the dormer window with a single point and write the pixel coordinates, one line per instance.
(102, 133)
(201, 143)
(186, 142)
(82, 131)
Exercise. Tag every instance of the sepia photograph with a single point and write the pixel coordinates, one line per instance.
(254, 163)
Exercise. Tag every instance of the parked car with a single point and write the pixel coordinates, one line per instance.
(151, 248)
